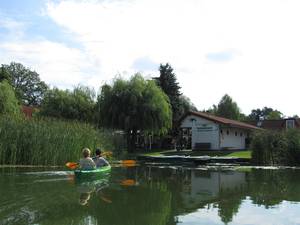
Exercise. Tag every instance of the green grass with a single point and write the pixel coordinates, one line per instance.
(239, 154)
(153, 154)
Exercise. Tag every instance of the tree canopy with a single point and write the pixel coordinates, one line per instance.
(134, 105)
(8, 102)
(265, 113)
(168, 83)
(186, 105)
(28, 87)
(77, 104)
(228, 108)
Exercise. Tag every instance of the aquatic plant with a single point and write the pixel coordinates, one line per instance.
(41, 141)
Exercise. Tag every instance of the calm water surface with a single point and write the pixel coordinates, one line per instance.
(147, 195)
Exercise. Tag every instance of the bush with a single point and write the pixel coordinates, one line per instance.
(276, 148)
(293, 137)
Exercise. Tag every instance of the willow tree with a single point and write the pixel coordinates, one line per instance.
(135, 105)
(9, 104)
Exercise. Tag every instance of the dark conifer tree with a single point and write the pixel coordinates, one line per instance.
(168, 83)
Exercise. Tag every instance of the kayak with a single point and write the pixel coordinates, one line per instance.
(95, 172)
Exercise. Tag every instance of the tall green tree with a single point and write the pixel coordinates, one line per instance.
(4, 75)
(168, 83)
(27, 84)
(134, 105)
(228, 108)
(9, 104)
(274, 115)
(186, 105)
(77, 104)
(265, 113)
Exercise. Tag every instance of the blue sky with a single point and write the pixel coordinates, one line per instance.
(37, 25)
(247, 49)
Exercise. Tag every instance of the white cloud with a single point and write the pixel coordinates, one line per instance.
(57, 64)
(183, 32)
(263, 36)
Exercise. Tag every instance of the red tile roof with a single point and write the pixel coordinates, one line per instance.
(274, 124)
(221, 120)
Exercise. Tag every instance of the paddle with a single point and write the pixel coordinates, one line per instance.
(72, 165)
(126, 163)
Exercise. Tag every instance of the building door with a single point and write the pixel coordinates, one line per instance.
(186, 138)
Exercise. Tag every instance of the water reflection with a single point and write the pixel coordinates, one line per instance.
(87, 187)
(152, 196)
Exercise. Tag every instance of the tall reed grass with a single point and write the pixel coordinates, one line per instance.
(276, 148)
(46, 141)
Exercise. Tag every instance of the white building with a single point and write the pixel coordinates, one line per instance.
(206, 131)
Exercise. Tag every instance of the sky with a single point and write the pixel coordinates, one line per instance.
(248, 49)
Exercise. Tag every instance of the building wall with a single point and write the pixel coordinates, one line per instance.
(234, 140)
(203, 131)
(206, 131)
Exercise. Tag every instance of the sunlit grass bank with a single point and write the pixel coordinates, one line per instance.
(241, 154)
(224, 153)
(45, 141)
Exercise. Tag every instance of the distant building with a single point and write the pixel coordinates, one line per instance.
(281, 124)
(208, 132)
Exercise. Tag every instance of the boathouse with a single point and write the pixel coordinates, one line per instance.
(208, 132)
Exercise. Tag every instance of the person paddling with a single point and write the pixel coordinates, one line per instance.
(99, 160)
(87, 163)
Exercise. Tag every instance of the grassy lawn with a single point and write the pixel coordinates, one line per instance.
(239, 154)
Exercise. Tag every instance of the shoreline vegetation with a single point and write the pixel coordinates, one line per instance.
(47, 141)
(128, 114)
(276, 148)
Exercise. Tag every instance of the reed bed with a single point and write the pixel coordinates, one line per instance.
(46, 141)
(276, 148)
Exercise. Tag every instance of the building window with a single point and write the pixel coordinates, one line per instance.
(290, 124)
(235, 133)
(227, 132)
(221, 131)
(241, 134)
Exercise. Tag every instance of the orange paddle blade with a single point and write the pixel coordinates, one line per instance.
(71, 165)
(128, 161)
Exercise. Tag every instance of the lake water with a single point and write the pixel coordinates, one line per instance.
(151, 195)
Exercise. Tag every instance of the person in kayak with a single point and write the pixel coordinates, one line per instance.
(87, 163)
(99, 160)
